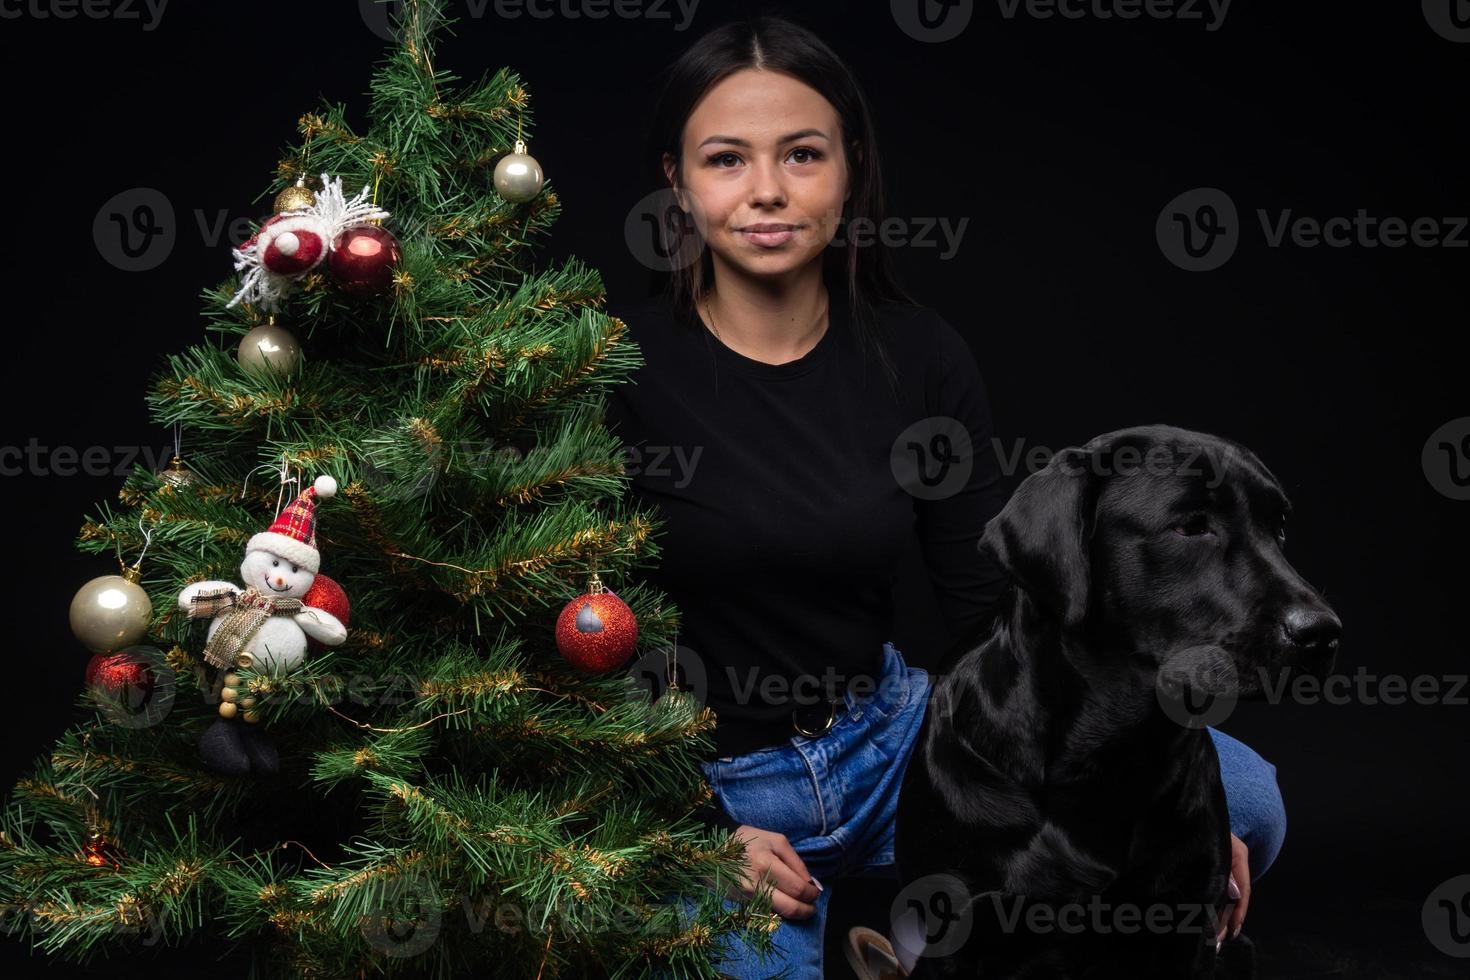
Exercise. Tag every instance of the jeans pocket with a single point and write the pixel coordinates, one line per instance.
(774, 791)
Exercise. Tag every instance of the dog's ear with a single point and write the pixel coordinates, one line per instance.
(1041, 535)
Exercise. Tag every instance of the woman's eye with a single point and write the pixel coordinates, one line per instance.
(719, 159)
(1193, 525)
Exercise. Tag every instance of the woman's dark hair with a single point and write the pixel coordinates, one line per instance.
(865, 273)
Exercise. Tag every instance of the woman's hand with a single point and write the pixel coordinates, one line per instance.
(770, 855)
(1240, 878)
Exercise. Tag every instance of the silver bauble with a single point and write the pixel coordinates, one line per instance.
(269, 348)
(111, 612)
(518, 176)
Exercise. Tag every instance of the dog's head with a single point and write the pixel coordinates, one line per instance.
(1163, 540)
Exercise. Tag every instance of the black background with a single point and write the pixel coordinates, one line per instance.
(1060, 141)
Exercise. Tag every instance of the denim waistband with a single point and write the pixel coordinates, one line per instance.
(742, 737)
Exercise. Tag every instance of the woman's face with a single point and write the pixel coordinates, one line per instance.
(763, 172)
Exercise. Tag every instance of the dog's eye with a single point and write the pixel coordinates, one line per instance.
(1193, 525)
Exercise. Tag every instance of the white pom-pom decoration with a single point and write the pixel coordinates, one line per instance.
(326, 487)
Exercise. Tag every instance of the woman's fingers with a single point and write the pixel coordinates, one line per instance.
(811, 889)
(1240, 873)
(1233, 915)
(769, 855)
(782, 901)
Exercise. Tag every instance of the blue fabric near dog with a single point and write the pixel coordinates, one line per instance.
(835, 798)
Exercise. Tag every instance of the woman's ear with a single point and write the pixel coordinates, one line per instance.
(671, 173)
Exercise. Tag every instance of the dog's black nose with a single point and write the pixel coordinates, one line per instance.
(1314, 630)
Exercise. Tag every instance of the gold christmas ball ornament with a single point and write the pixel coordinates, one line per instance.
(297, 197)
(251, 716)
(111, 611)
(518, 176)
(269, 349)
(227, 709)
(176, 474)
(228, 694)
(232, 680)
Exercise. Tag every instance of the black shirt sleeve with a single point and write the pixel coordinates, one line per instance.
(967, 584)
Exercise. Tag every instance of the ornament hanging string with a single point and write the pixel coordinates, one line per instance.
(147, 540)
(281, 470)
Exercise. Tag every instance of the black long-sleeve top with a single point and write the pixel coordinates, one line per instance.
(788, 496)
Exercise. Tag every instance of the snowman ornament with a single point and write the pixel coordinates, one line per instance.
(265, 623)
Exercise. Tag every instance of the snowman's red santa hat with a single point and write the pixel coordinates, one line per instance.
(293, 535)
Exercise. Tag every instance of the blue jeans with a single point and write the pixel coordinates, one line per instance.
(835, 797)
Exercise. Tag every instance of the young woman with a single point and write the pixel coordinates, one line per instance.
(782, 366)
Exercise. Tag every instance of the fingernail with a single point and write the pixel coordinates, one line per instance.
(815, 882)
(1235, 932)
(1217, 945)
(1234, 890)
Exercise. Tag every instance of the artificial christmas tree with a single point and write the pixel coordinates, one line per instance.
(445, 793)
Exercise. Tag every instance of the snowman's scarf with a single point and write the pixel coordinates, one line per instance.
(246, 613)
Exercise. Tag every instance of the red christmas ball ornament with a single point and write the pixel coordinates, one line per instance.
(100, 852)
(363, 259)
(120, 676)
(325, 594)
(596, 631)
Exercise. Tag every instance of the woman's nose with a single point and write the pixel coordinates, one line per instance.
(766, 186)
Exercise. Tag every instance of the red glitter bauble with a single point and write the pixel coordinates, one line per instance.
(120, 675)
(325, 594)
(363, 260)
(596, 632)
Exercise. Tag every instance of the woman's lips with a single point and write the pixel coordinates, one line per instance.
(770, 239)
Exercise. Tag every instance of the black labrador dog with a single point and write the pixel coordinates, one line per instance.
(1062, 814)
